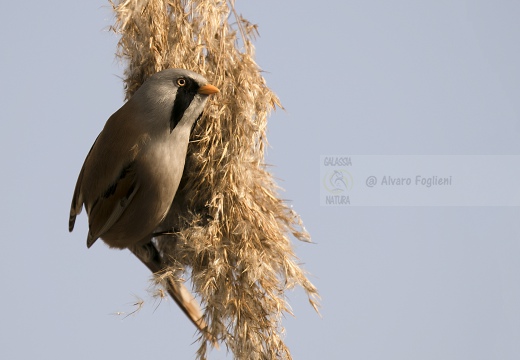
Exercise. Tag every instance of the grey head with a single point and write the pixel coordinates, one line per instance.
(175, 94)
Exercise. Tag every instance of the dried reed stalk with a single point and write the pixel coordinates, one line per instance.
(231, 235)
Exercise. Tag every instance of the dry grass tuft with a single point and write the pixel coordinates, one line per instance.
(232, 230)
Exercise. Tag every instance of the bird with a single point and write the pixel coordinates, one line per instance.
(133, 170)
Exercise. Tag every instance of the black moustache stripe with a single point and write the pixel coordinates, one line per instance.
(183, 99)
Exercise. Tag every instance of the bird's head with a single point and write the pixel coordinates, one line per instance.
(177, 95)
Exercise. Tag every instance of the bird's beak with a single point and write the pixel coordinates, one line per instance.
(208, 89)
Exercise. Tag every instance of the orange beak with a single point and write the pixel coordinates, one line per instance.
(208, 89)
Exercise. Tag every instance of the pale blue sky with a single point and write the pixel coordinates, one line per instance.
(356, 77)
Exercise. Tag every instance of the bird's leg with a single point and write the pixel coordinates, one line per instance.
(151, 257)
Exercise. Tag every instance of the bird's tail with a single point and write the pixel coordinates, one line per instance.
(150, 256)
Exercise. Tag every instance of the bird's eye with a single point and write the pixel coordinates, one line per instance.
(181, 81)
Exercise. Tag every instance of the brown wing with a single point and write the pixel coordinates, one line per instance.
(107, 182)
(110, 205)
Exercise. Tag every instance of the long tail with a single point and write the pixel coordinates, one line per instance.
(150, 256)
